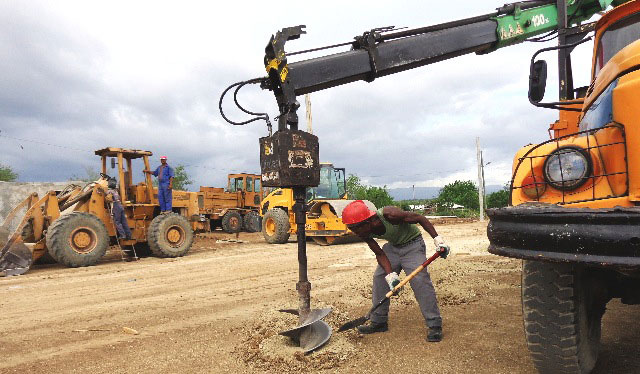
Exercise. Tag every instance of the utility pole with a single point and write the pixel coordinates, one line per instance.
(307, 102)
(480, 179)
(414, 192)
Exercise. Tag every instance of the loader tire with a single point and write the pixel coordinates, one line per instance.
(561, 317)
(232, 222)
(170, 235)
(251, 222)
(275, 226)
(77, 239)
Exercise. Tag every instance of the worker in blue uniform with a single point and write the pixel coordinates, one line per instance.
(164, 172)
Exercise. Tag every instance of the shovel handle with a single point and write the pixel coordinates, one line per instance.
(414, 273)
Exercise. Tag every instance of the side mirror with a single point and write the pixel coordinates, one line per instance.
(537, 81)
(113, 163)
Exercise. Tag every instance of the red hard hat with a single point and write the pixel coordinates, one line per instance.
(163, 157)
(356, 212)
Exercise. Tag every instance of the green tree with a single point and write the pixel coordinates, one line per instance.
(7, 174)
(356, 190)
(498, 199)
(464, 193)
(180, 178)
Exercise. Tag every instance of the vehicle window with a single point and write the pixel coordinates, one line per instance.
(256, 186)
(616, 37)
(340, 182)
(236, 184)
(249, 184)
(600, 113)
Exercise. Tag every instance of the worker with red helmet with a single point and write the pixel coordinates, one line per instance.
(405, 250)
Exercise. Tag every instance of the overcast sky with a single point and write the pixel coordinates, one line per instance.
(77, 76)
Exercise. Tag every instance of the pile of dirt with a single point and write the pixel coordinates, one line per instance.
(264, 349)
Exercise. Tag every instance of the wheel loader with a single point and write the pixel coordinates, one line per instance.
(74, 226)
(326, 202)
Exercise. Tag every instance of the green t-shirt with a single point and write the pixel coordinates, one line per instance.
(397, 234)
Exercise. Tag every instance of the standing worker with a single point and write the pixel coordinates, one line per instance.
(406, 251)
(117, 211)
(164, 172)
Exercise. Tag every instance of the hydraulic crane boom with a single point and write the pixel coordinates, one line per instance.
(383, 51)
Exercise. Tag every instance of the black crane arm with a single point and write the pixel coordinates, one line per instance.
(385, 51)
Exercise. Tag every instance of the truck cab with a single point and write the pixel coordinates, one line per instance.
(574, 216)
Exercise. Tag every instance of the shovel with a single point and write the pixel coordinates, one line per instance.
(357, 322)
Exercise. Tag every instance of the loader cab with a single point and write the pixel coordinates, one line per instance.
(250, 185)
(122, 168)
(333, 184)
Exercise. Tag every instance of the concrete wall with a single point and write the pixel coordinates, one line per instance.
(12, 193)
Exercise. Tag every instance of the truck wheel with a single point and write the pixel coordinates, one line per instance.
(77, 239)
(275, 226)
(170, 235)
(232, 222)
(252, 222)
(561, 316)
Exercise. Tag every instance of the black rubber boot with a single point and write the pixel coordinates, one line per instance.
(434, 334)
(373, 327)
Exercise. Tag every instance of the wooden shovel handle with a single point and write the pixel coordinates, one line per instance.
(414, 273)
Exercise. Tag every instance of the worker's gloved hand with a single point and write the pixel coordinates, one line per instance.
(392, 280)
(439, 242)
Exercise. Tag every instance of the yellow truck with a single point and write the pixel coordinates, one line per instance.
(235, 208)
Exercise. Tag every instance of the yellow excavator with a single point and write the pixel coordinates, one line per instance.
(326, 202)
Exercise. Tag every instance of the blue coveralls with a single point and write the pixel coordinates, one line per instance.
(164, 174)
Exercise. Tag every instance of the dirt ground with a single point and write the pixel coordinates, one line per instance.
(215, 311)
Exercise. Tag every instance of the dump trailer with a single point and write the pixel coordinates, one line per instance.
(324, 216)
(74, 226)
(235, 208)
(574, 212)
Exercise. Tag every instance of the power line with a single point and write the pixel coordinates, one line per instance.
(43, 143)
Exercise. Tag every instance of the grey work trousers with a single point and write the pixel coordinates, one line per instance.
(407, 258)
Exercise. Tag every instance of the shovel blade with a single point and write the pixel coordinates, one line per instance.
(353, 324)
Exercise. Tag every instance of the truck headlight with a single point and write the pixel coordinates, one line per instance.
(567, 168)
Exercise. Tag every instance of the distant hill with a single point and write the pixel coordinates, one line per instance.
(427, 192)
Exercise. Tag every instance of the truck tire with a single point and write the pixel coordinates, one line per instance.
(251, 222)
(232, 222)
(77, 239)
(275, 226)
(561, 317)
(170, 235)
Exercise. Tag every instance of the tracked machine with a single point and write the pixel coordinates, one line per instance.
(574, 211)
(74, 226)
(324, 215)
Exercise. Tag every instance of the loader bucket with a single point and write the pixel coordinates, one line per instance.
(15, 257)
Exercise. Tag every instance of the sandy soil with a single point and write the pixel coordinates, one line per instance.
(215, 311)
